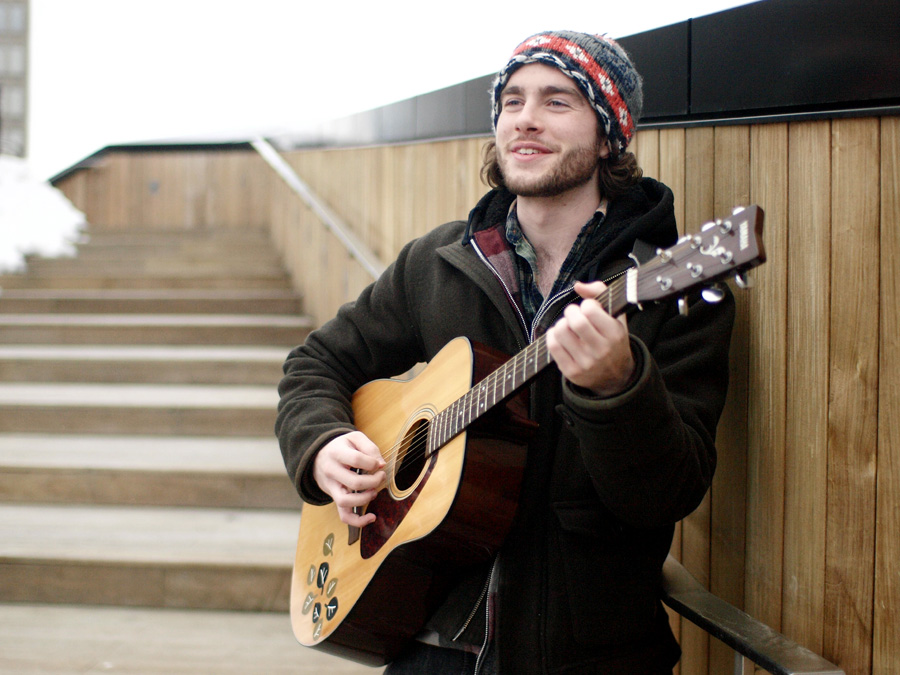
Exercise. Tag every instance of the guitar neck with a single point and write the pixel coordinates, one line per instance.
(510, 377)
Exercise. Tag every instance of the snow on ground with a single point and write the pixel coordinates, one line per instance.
(35, 217)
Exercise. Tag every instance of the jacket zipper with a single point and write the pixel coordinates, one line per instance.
(487, 585)
(487, 618)
(506, 290)
(548, 305)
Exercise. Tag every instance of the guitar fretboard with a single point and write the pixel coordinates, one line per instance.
(508, 378)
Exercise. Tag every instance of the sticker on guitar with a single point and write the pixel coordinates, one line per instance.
(318, 576)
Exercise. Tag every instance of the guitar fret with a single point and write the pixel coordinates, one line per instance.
(452, 413)
(433, 432)
(441, 429)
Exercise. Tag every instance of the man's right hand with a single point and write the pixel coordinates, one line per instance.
(349, 469)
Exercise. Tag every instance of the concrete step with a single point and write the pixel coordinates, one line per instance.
(147, 556)
(99, 280)
(176, 245)
(123, 409)
(167, 329)
(149, 471)
(236, 265)
(142, 364)
(149, 301)
(75, 639)
(111, 236)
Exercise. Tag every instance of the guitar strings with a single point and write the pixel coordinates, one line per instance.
(466, 402)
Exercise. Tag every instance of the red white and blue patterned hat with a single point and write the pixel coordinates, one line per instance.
(601, 69)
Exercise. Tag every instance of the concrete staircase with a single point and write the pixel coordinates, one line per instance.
(139, 477)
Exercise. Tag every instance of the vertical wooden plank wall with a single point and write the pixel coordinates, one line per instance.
(731, 186)
(800, 527)
(853, 404)
(767, 395)
(789, 531)
(696, 529)
(808, 258)
(173, 190)
(886, 645)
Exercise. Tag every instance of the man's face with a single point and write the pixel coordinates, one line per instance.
(547, 140)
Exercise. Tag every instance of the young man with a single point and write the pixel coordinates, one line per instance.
(626, 419)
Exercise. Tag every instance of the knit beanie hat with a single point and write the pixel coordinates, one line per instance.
(600, 68)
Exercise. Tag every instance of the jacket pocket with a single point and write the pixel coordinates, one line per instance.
(610, 580)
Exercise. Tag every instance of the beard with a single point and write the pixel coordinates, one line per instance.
(573, 169)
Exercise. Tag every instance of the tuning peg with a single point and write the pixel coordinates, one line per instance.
(743, 280)
(713, 294)
(682, 305)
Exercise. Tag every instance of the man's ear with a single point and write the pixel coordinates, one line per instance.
(604, 149)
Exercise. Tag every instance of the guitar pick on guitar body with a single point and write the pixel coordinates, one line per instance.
(454, 439)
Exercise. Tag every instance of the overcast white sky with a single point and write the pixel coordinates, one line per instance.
(113, 71)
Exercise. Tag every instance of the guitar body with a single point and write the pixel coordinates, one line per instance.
(364, 594)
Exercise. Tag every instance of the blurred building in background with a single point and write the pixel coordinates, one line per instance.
(13, 77)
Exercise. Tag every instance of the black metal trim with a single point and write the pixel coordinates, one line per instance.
(740, 631)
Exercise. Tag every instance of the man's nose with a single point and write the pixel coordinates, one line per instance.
(529, 118)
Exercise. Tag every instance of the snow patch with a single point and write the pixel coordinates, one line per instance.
(35, 217)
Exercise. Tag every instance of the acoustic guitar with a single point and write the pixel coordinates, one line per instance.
(454, 441)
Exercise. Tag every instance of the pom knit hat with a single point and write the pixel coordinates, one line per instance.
(600, 68)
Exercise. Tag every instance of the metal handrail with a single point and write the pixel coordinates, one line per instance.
(745, 635)
(370, 262)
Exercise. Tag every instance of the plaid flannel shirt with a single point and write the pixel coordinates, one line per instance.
(529, 296)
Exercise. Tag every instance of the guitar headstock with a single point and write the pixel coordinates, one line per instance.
(723, 247)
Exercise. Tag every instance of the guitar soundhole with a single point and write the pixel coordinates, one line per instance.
(412, 456)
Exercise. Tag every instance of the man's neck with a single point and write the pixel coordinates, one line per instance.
(552, 224)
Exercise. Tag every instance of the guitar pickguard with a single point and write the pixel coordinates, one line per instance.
(389, 512)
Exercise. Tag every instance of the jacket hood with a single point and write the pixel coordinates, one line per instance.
(644, 212)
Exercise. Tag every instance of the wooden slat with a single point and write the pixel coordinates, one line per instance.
(767, 395)
(886, 649)
(732, 186)
(646, 149)
(699, 181)
(853, 410)
(405, 174)
(387, 211)
(116, 208)
(809, 280)
(671, 171)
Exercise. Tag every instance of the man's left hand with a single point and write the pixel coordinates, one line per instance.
(592, 348)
